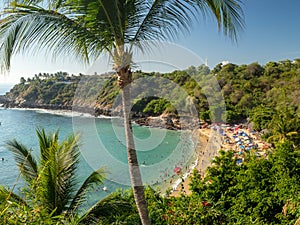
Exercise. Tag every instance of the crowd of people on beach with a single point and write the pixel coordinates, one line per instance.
(226, 137)
(241, 140)
(171, 167)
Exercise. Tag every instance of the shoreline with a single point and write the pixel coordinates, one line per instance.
(208, 146)
(61, 112)
(169, 122)
(226, 140)
(200, 140)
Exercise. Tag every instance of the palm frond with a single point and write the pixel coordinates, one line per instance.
(229, 15)
(165, 19)
(96, 178)
(7, 196)
(57, 177)
(25, 161)
(45, 143)
(111, 205)
(67, 161)
(47, 186)
(33, 29)
(158, 20)
(84, 29)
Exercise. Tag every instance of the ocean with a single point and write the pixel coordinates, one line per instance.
(102, 143)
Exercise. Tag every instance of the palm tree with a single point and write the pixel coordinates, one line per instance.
(84, 29)
(53, 181)
(284, 126)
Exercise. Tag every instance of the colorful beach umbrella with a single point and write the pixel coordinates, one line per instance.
(177, 170)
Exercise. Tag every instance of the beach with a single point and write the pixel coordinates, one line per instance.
(211, 141)
(195, 148)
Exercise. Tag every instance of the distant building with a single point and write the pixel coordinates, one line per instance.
(224, 63)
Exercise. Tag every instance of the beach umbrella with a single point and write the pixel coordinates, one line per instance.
(177, 170)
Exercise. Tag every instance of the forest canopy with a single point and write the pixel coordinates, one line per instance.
(253, 91)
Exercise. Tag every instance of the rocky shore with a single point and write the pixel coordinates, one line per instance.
(170, 122)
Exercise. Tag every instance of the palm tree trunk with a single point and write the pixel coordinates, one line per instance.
(135, 175)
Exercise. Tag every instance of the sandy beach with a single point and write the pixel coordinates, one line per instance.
(211, 140)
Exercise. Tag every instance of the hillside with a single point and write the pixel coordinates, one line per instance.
(250, 91)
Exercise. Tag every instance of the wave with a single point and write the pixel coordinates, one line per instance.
(60, 112)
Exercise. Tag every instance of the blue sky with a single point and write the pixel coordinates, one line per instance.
(272, 33)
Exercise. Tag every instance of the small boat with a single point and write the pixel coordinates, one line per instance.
(104, 188)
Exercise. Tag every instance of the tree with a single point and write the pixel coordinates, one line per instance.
(257, 191)
(254, 70)
(261, 117)
(22, 80)
(52, 183)
(284, 126)
(85, 29)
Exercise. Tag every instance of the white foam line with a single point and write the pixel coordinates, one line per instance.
(61, 112)
(185, 175)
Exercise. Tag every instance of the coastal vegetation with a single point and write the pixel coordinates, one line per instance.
(260, 190)
(86, 29)
(52, 190)
(265, 96)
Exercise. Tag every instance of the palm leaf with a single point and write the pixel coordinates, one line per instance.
(8, 196)
(25, 161)
(84, 29)
(58, 172)
(96, 178)
(67, 162)
(228, 14)
(161, 20)
(46, 143)
(47, 187)
(164, 20)
(32, 29)
(111, 205)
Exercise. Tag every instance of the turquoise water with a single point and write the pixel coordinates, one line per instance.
(102, 144)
